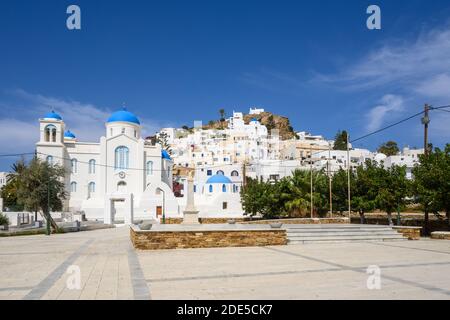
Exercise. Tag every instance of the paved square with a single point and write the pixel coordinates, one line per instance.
(35, 267)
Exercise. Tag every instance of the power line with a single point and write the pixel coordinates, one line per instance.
(15, 154)
(114, 167)
(387, 127)
(441, 108)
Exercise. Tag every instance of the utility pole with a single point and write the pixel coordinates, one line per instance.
(348, 178)
(425, 122)
(47, 225)
(311, 167)
(244, 174)
(329, 180)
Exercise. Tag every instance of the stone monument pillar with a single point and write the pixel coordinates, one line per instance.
(190, 212)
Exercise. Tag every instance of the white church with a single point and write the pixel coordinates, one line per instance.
(124, 177)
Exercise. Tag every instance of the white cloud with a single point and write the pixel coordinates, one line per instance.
(389, 104)
(436, 87)
(418, 69)
(403, 64)
(20, 126)
(18, 136)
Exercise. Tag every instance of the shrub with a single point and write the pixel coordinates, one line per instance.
(4, 221)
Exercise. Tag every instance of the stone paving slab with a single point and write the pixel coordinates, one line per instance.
(36, 267)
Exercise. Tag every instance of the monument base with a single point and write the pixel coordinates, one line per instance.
(190, 217)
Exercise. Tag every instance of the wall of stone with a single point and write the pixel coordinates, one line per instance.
(154, 240)
(303, 221)
(174, 220)
(219, 220)
(412, 233)
(338, 220)
(440, 235)
(206, 220)
(410, 221)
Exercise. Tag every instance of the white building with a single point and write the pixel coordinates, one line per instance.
(118, 178)
(256, 111)
(123, 178)
(408, 157)
(3, 179)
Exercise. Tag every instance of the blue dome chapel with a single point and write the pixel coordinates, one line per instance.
(124, 116)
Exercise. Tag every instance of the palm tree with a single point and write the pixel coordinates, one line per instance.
(222, 114)
(299, 195)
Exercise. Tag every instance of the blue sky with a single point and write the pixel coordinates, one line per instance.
(173, 62)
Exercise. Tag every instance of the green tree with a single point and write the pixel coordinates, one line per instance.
(290, 196)
(9, 190)
(340, 140)
(40, 186)
(259, 197)
(340, 189)
(389, 148)
(251, 197)
(9, 195)
(365, 188)
(431, 185)
(299, 192)
(393, 189)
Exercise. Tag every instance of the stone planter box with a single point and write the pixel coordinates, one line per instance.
(276, 225)
(206, 238)
(412, 233)
(145, 226)
(440, 235)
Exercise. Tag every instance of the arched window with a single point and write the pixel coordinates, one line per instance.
(92, 166)
(50, 133)
(121, 159)
(224, 188)
(149, 168)
(195, 188)
(210, 188)
(234, 188)
(50, 160)
(91, 187)
(234, 173)
(74, 164)
(220, 172)
(73, 187)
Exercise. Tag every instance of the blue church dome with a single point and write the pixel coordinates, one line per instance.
(69, 135)
(52, 115)
(165, 155)
(123, 116)
(218, 178)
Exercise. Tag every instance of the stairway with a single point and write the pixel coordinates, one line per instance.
(331, 233)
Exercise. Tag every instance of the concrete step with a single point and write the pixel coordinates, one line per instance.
(342, 240)
(340, 233)
(297, 231)
(327, 227)
(348, 235)
(302, 234)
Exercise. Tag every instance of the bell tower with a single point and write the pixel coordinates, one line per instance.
(51, 129)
